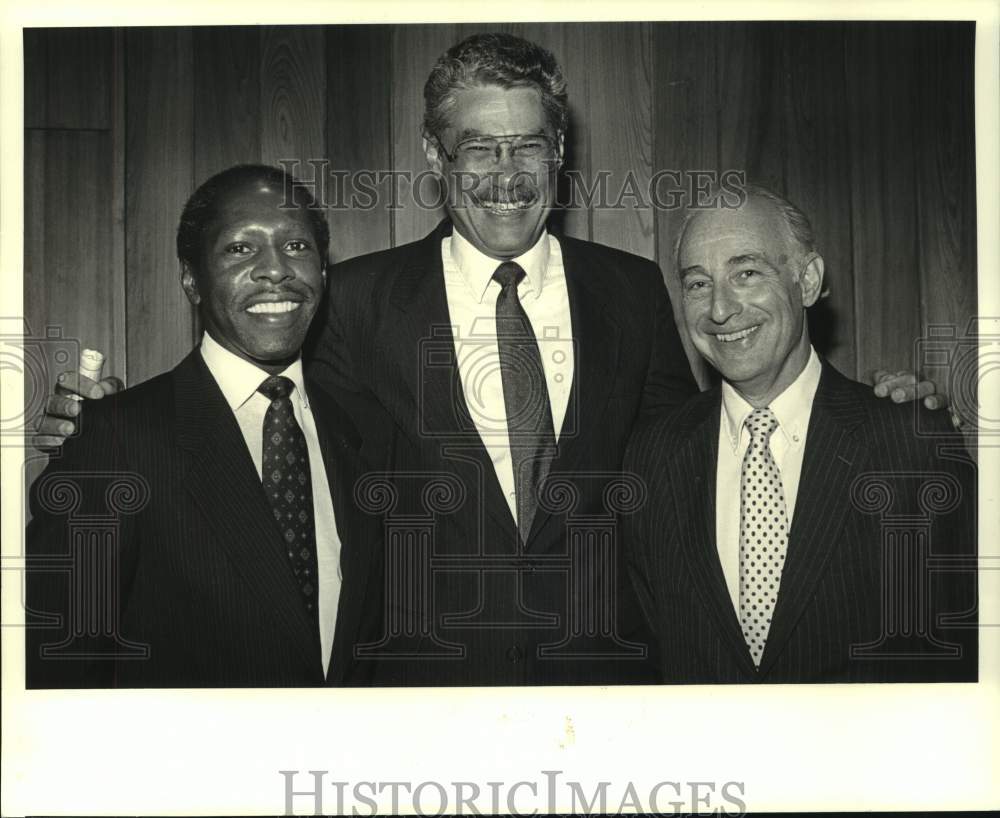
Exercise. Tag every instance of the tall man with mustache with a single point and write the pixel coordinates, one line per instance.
(238, 559)
(505, 355)
(514, 364)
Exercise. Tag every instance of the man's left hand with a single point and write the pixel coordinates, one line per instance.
(901, 387)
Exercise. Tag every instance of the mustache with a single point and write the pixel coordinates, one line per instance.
(497, 188)
(492, 196)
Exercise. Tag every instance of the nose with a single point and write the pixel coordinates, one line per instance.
(273, 265)
(504, 156)
(724, 304)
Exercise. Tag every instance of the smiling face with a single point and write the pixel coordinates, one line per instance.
(259, 279)
(499, 206)
(746, 285)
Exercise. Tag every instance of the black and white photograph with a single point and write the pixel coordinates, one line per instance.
(442, 380)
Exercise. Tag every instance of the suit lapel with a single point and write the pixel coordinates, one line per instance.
(419, 333)
(596, 340)
(692, 470)
(834, 455)
(222, 481)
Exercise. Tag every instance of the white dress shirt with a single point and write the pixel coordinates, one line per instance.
(792, 408)
(472, 302)
(238, 379)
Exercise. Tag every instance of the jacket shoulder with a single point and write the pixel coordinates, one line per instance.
(654, 435)
(132, 406)
(608, 256)
(898, 432)
(371, 264)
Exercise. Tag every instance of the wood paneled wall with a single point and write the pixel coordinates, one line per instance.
(868, 127)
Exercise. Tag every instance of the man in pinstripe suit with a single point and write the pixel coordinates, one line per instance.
(770, 548)
(167, 538)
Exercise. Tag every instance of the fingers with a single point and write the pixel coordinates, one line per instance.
(47, 443)
(924, 389)
(73, 383)
(55, 427)
(900, 386)
(937, 401)
(52, 431)
(903, 386)
(62, 406)
(112, 385)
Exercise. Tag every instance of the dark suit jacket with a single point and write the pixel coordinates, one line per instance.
(861, 454)
(199, 567)
(389, 334)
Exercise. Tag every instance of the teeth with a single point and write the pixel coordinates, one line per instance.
(274, 307)
(507, 207)
(737, 336)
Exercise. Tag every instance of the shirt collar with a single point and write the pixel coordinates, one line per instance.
(477, 268)
(238, 379)
(792, 407)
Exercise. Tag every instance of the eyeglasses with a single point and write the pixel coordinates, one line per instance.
(485, 150)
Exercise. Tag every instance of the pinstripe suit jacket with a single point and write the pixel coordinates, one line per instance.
(199, 572)
(859, 499)
(389, 335)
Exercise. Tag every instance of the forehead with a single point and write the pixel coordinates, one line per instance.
(257, 204)
(490, 109)
(713, 237)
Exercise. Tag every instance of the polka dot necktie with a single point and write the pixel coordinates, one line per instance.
(525, 396)
(763, 533)
(285, 474)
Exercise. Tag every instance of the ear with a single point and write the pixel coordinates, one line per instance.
(562, 145)
(189, 283)
(434, 159)
(811, 281)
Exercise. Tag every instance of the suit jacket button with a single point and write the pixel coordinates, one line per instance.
(514, 655)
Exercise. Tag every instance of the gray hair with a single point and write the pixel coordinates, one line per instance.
(798, 224)
(494, 59)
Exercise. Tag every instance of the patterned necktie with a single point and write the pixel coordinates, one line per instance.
(763, 533)
(525, 396)
(285, 473)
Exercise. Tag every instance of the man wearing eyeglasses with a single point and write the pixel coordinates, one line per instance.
(506, 356)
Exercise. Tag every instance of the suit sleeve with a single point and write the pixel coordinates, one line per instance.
(635, 542)
(669, 381)
(954, 548)
(59, 588)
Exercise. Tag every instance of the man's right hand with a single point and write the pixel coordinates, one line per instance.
(61, 411)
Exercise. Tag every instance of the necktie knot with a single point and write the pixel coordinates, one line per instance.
(276, 387)
(761, 423)
(509, 274)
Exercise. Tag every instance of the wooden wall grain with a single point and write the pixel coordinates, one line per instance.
(869, 127)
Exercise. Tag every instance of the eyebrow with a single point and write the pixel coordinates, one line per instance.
(694, 268)
(745, 258)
